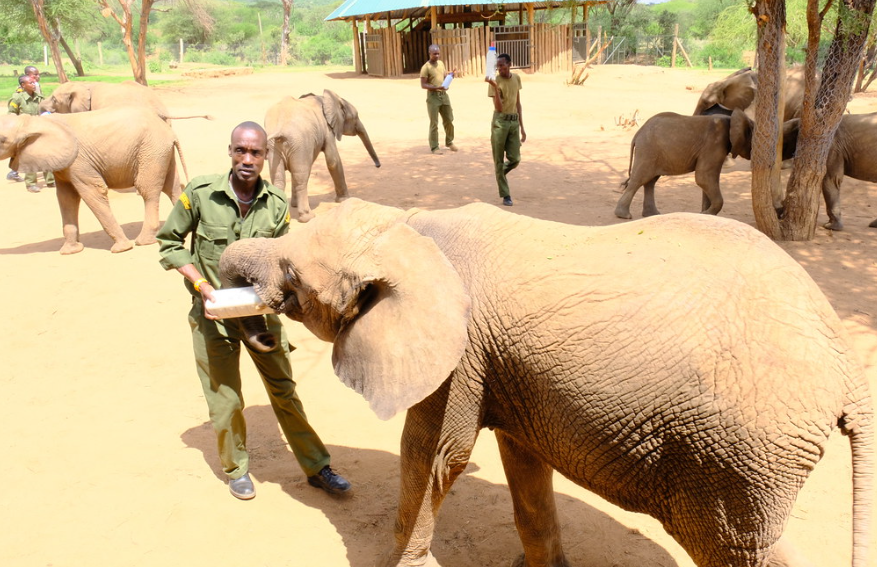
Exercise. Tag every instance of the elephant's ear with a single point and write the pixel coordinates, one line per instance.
(80, 99)
(412, 324)
(44, 144)
(333, 110)
(741, 135)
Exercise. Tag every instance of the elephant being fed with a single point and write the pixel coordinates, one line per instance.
(91, 152)
(82, 96)
(298, 130)
(681, 366)
(674, 144)
(738, 90)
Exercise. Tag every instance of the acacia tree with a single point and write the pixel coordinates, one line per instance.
(124, 18)
(39, 10)
(284, 31)
(821, 112)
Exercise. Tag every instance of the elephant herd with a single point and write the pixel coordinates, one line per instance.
(73, 143)
(673, 144)
(681, 366)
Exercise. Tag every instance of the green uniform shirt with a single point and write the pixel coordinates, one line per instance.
(208, 209)
(23, 103)
(508, 92)
(435, 74)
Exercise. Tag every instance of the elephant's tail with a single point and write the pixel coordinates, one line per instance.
(182, 160)
(858, 424)
(629, 163)
(205, 116)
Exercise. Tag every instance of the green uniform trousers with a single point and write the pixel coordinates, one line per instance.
(505, 140)
(217, 356)
(31, 178)
(438, 102)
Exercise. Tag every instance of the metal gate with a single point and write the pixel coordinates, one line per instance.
(514, 40)
(374, 54)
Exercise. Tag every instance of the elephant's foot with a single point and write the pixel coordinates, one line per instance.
(651, 212)
(836, 224)
(521, 561)
(341, 198)
(122, 246)
(145, 240)
(72, 248)
(305, 217)
(623, 213)
(425, 561)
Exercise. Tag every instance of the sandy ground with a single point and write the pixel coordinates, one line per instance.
(108, 458)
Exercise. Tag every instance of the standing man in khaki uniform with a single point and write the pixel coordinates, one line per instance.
(26, 100)
(432, 75)
(218, 210)
(507, 128)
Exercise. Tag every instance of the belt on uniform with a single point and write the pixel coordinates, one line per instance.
(508, 117)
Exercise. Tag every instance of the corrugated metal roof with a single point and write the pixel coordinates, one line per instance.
(397, 9)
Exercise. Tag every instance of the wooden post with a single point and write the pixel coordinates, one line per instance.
(675, 41)
(587, 30)
(357, 49)
(182, 51)
(531, 20)
(711, 63)
(100, 54)
(433, 19)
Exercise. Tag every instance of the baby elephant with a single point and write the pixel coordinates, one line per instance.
(852, 154)
(674, 144)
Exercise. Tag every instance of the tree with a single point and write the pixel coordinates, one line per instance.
(39, 11)
(284, 32)
(821, 113)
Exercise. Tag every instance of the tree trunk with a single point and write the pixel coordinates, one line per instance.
(823, 110)
(77, 63)
(770, 17)
(284, 32)
(140, 70)
(39, 12)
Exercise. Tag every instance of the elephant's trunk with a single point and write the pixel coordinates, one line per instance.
(363, 135)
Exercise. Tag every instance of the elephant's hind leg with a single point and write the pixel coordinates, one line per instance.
(622, 209)
(151, 197)
(94, 193)
(708, 181)
(532, 491)
(650, 207)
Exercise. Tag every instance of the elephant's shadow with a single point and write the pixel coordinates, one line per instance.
(475, 526)
(97, 239)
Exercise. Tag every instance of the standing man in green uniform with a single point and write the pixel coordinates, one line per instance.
(34, 74)
(218, 210)
(432, 75)
(26, 100)
(507, 128)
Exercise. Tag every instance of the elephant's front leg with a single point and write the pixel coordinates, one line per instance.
(336, 170)
(93, 191)
(436, 445)
(530, 482)
(68, 201)
(708, 181)
(831, 193)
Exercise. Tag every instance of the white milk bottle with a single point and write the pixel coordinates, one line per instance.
(490, 65)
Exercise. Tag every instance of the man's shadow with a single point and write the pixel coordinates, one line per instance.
(474, 514)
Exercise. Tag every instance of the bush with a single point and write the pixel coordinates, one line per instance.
(154, 66)
(723, 56)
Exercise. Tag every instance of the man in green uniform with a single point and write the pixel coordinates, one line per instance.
(34, 74)
(218, 210)
(507, 128)
(26, 100)
(432, 76)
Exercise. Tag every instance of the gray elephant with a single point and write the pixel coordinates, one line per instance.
(298, 130)
(853, 153)
(91, 152)
(738, 90)
(84, 96)
(674, 144)
(681, 366)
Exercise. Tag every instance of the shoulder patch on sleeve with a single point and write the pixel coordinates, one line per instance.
(185, 200)
(287, 219)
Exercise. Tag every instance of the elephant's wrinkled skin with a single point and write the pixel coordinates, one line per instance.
(298, 130)
(853, 153)
(681, 366)
(82, 96)
(674, 144)
(91, 152)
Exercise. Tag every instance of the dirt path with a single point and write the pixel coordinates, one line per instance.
(109, 456)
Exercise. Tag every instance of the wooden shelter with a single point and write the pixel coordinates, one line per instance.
(392, 37)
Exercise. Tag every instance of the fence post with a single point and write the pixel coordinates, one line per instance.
(45, 55)
(100, 54)
(675, 40)
(182, 51)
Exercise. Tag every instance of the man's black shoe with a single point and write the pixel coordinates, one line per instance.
(330, 481)
(507, 201)
(242, 487)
